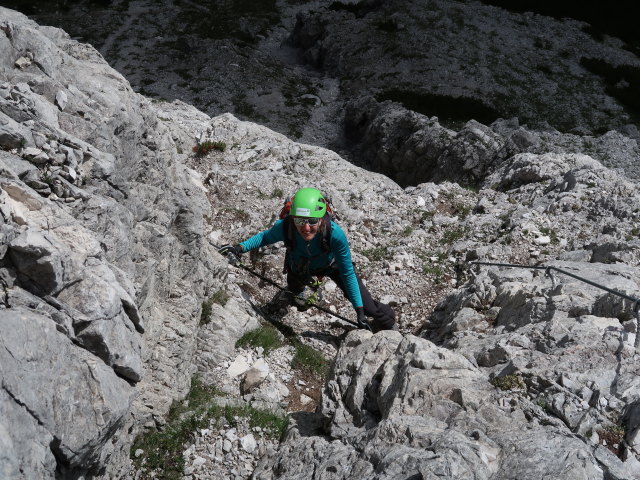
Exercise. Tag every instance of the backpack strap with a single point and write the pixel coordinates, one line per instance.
(325, 243)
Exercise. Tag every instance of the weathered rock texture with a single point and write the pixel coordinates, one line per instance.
(104, 262)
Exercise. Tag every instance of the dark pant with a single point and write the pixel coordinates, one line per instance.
(382, 314)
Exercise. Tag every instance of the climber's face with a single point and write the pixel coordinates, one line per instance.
(305, 228)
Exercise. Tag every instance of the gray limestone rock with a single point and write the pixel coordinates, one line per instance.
(63, 390)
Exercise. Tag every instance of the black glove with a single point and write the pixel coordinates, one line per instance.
(362, 320)
(232, 252)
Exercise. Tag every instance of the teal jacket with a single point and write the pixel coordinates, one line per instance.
(308, 258)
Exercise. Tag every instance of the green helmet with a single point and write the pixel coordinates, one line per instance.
(308, 202)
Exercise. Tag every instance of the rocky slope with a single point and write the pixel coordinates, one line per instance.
(305, 68)
(109, 223)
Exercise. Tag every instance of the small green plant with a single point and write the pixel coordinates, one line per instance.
(462, 211)
(508, 382)
(47, 178)
(266, 337)
(201, 149)
(205, 313)
(612, 436)
(237, 213)
(551, 233)
(310, 360)
(277, 193)
(426, 215)
(162, 450)
(221, 297)
(434, 270)
(451, 236)
(376, 254)
(407, 231)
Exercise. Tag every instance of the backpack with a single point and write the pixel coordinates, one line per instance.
(290, 229)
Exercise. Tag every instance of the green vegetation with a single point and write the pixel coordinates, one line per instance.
(162, 450)
(376, 254)
(613, 436)
(508, 382)
(201, 149)
(236, 213)
(205, 313)
(451, 236)
(407, 231)
(310, 360)
(266, 337)
(221, 297)
(434, 270)
(277, 193)
(551, 233)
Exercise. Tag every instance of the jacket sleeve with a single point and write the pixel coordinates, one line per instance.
(342, 253)
(266, 237)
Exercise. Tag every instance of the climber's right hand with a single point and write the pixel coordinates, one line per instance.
(362, 319)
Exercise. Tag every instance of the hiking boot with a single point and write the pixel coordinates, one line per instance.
(280, 300)
(306, 299)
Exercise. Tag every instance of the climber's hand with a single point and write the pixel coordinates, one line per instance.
(362, 319)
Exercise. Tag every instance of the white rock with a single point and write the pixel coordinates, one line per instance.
(238, 367)
(305, 400)
(543, 240)
(420, 202)
(248, 443)
(61, 99)
(22, 62)
(262, 366)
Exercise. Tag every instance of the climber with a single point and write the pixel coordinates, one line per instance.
(317, 247)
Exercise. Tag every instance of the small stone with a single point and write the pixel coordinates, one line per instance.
(238, 367)
(61, 99)
(138, 452)
(248, 443)
(22, 63)
(542, 240)
(226, 446)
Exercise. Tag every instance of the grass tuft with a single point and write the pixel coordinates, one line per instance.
(162, 450)
(508, 382)
(266, 337)
(310, 360)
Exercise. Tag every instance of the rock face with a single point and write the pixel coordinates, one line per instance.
(402, 407)
(104, 261)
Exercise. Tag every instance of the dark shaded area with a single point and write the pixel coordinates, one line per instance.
(622, 83)
(88, 21)
(618, 19)
(38, 7)
(243, 20)
(359, 9)
(449, 110)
